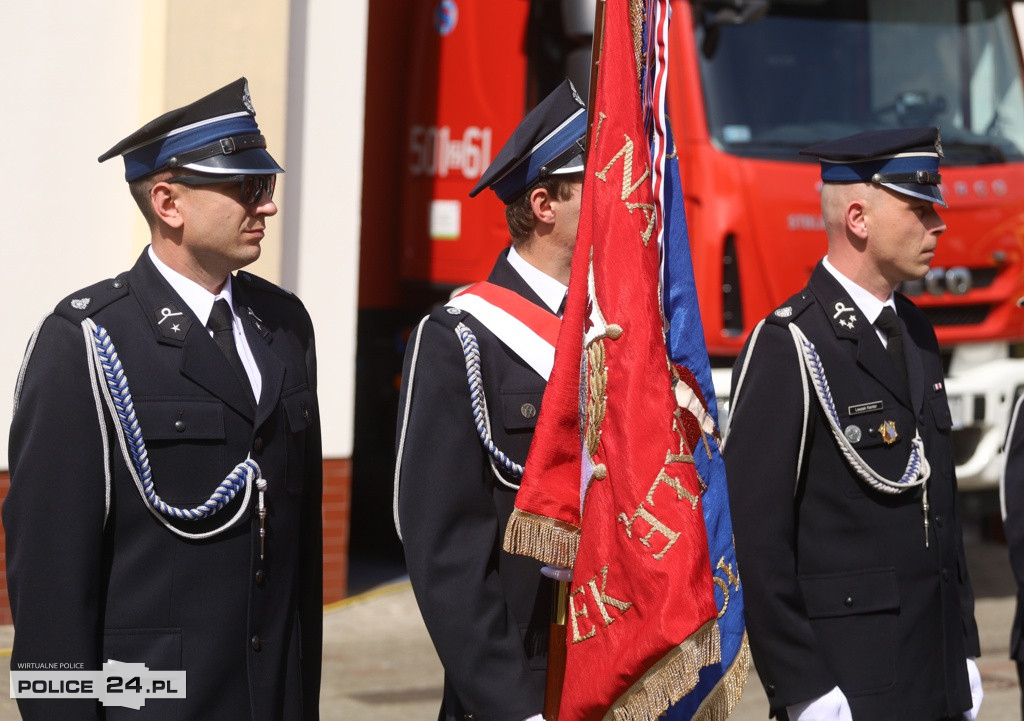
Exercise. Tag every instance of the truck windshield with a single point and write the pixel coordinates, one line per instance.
(814, 70)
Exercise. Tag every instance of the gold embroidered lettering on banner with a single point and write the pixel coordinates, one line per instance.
(626, 153)
(723, 584)
(730, 574)
(601, 599)
(656, 525)
(682, 456)
(575, 613)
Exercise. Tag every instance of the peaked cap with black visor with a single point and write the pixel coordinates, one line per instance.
(549, 141)
(216, 135)
(905, 160)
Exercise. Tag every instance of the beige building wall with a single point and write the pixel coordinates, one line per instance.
(80, 76)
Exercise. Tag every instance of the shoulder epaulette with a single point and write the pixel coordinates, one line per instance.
(257, 283)
(448, 316)
(787, 312)
(83, 303)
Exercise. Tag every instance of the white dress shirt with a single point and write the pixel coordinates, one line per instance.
(551, 291)
(201, 301)
(868, 304)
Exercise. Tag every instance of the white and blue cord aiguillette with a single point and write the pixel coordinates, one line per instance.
(113, 386)
(481, 419)
(917, 471)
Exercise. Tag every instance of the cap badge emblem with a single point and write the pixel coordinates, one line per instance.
(888, 432)
(247, 101)
(80, 303)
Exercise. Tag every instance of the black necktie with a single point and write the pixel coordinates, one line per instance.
(561, 306)
(889, 324)
(220, 324)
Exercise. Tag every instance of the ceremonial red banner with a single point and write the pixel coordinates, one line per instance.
(610, 487)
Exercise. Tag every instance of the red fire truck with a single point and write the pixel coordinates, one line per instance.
(752, 82)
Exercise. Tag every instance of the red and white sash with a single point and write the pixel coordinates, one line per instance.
(526, 328)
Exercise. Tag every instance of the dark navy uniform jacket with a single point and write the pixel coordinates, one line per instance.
(487, 611)
(839, 586)
(85, 588)
(1013, 523)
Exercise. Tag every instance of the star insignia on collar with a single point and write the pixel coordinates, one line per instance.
(849, 322)
(171, 322)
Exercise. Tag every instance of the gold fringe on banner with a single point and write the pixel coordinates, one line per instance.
(547, 540)
(671, 678)
(718, 704)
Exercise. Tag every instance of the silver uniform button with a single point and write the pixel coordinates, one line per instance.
(852, 433)
(453, 311)
(528, 410)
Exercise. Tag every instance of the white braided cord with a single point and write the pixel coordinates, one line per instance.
(405, 423)
(807, 415)
(754, 335)
(108, 370)
(478, 399)
(917, 470)
(24, 363)
(94, 375)
(739, 381)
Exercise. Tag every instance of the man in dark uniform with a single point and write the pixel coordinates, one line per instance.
(1012, 492)
(840, 466)
(460, 455)
(165, 459)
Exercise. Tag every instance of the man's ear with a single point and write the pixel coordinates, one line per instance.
(856, 218)
(542, 206)
(164, 198)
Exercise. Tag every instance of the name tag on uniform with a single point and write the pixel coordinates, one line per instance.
(862, 408)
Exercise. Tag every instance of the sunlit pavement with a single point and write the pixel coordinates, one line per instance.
(379, 663)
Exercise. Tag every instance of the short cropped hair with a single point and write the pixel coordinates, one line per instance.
(519, 213)
(141, 189)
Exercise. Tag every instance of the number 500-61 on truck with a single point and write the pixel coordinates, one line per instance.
(753, 81)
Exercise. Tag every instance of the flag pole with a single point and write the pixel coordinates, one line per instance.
(560, 603)
(556, 650)
(595, 59)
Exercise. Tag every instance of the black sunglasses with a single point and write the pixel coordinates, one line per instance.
(254, 187)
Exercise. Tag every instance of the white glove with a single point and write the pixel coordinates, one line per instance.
(974, 675)
(558, 573)
(833, 706)
(535, 717)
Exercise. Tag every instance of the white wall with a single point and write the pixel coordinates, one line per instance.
(326, 99)
(69, 91)
(79, 76)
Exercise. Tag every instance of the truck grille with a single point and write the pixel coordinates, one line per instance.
(957, 315)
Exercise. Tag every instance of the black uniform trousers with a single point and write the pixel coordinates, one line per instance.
(487, 611)
(840, 588)
(93, 574)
